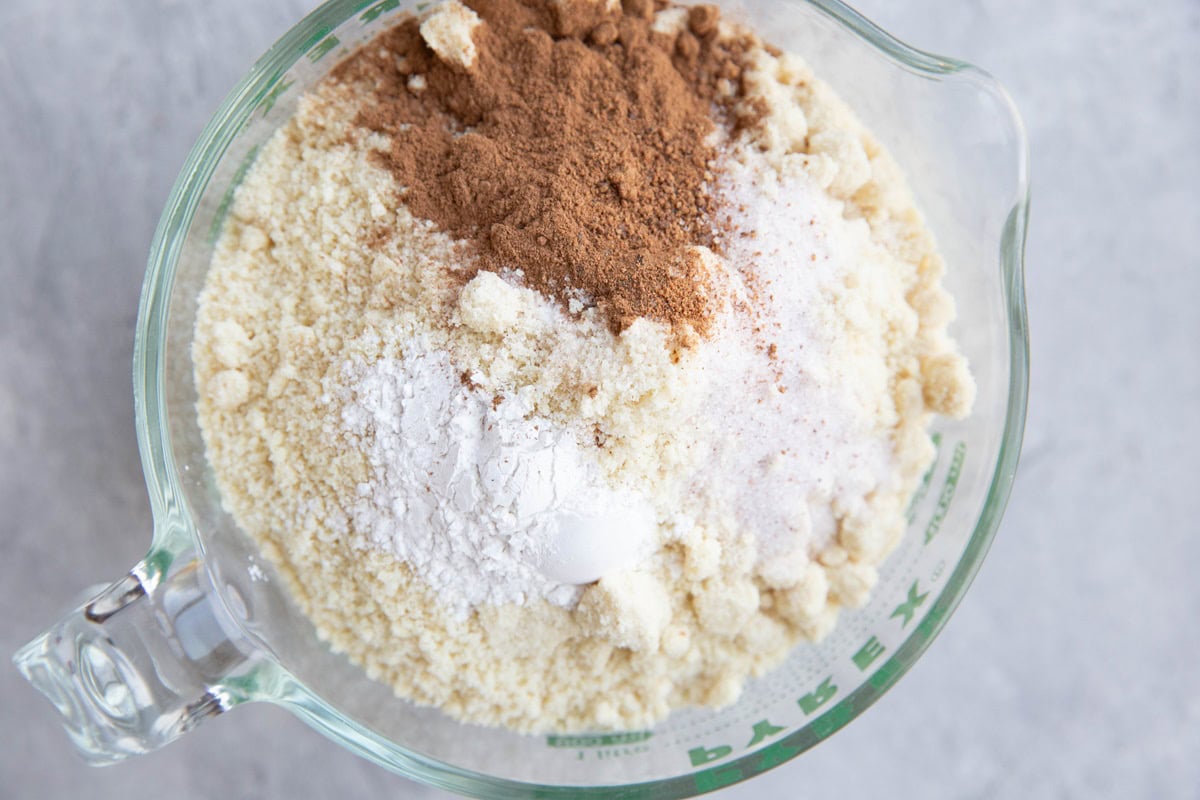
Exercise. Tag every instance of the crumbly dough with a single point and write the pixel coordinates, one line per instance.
(318, 265)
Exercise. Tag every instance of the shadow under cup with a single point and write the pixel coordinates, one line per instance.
(954, 132)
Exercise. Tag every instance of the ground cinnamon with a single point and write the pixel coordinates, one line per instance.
(576, 149)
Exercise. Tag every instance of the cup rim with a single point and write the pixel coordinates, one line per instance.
(163, 480)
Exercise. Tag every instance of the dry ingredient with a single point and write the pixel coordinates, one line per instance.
(484, 503)
(573, 360)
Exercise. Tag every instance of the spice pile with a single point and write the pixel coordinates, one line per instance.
(573, 360)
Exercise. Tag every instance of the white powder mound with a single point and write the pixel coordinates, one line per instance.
(485, 504)
(805, 430)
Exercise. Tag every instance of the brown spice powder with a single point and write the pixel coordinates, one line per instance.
(576, 148)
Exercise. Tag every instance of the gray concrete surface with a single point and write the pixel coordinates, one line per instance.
(1069, 671)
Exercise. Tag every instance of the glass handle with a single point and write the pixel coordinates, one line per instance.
(143, 662)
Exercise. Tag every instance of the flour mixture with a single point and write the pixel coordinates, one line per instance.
(573, 360)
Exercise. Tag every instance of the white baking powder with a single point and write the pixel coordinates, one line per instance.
(486, 503)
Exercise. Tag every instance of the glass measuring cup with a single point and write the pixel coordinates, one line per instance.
(202, 625)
